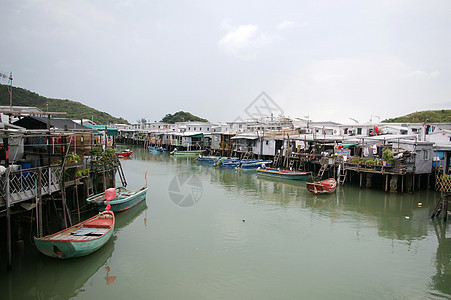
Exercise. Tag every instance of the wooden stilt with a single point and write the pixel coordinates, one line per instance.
(445, 208)
(8, 238)
(402, 184)
(39, 207)
(8, 205)
(361, 180)
(419, 182)
(386, 183)
(78, 202)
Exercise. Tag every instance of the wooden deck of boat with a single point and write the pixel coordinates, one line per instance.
(82, 232)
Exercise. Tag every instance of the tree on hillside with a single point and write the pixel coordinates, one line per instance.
(74, 110)
(433, 116)
(182, 116)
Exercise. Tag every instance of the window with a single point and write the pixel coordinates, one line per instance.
(426, 155)
(359, 130)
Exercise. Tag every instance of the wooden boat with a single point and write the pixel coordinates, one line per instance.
(124, 153)
(254, 164)
(79, 240)
(156, 150)
(123, 200)
(229, 162)
(208, 159)
(285, 174)
(326, 186)
(190, 153)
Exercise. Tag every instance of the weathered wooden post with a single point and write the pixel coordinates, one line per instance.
(39, 207)
(386, 182)
(8, 203)
(361, 179)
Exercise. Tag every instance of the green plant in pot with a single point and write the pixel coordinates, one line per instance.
(387, 155)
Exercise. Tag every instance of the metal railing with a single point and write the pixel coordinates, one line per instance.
(22, 185)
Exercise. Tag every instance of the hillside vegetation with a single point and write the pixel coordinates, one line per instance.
(74, 110)
(433, 116)
(182, 116)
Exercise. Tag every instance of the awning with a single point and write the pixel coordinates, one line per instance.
(109, 130)
(244, 137)
(193, 134)
(344, 146)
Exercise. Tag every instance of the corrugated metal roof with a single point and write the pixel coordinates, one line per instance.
(57, 123)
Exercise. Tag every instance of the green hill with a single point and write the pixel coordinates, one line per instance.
(182, 116)
(433, 116)
(74, 110)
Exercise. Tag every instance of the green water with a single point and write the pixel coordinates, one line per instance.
(207, 233)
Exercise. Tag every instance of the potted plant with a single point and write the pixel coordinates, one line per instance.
(387, 156)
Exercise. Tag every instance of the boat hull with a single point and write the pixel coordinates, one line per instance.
(255, 165)
(326, 186)
(284, 174)
(156, 150)
(122, 201)
(187, 153)
(124, 154)
(208, 160)
(63, 245)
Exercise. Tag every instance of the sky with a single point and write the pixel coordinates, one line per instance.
(342, 61)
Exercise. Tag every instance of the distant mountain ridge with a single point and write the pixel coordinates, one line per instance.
(432, 116)
(74, 110)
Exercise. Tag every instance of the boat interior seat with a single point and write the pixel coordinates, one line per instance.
(98, 223)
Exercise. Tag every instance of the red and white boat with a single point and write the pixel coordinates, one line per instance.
(326, 186)
(124, 153)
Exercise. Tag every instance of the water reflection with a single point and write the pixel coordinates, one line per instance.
(441, 281)
(65, 279)
(38, 276)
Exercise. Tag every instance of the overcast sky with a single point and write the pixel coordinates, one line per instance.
(328, 60)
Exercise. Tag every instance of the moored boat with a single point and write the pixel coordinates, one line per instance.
(79, 240)
(255, 164)
(208, 159)
(124, 153)
(325, 186)
(189, 153)
(228, 162)
(123, 199)
(156, 149)
(285, 174)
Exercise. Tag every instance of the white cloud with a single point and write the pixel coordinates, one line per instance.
(359, 87)
(420, 74)
(243, 41)
(286, 24)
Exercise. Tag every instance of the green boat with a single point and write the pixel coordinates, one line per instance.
(79, 240)
(284, 174)
(190, 153)
(125, 199)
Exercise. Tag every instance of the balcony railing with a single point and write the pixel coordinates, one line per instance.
(22, 185)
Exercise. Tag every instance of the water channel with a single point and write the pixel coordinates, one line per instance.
(209, 233)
